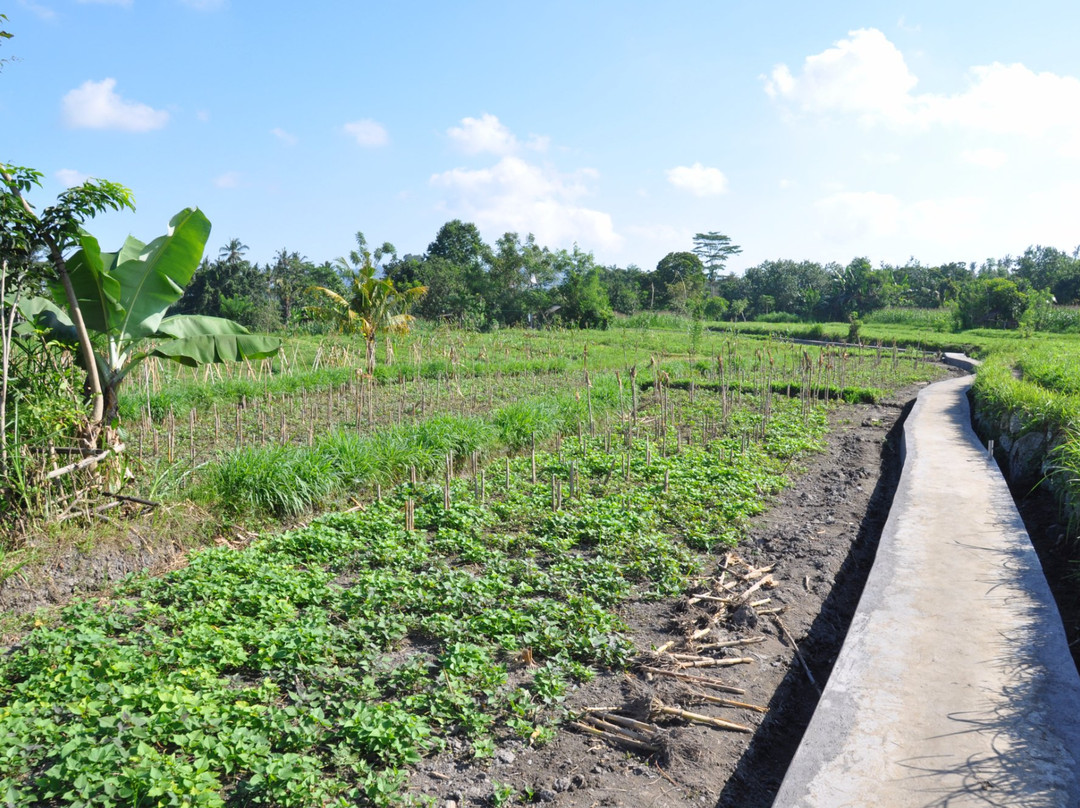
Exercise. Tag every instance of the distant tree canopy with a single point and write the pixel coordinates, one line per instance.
(516, 281)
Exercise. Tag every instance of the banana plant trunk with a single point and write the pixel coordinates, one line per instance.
(86, 348)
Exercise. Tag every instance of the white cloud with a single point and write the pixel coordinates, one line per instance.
(203, 116)
(285, 137)
(946, 221)
(71, 178)
(881, 158)
(663, 234)
(38, 10)
(1010, 99)
(368, 133)
(903, 25)
(514, 195)
(483, 134)
(985, 158)
(230, 179)
(863, 217)
(851, 215)
(866, 76)
(487, 134)
(698, 179)
(95, 105)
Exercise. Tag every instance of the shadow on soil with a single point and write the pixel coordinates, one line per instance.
(759, 773)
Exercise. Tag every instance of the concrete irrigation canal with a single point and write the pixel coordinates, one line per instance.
(954, 686)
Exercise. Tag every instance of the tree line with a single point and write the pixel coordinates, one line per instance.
(517, 282)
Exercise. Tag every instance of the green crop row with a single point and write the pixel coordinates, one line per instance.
(315, 666)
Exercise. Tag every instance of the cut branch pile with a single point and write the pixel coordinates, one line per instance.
(719, 602)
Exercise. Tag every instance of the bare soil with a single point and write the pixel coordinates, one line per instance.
(819, 538)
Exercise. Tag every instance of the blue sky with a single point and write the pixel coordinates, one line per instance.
(821, 131)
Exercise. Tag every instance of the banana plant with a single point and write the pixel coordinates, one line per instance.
(373, 305)
(124, 297)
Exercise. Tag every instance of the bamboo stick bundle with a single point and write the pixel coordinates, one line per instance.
(701, 681)
(697, 697)
(654, 709)
(614, 737)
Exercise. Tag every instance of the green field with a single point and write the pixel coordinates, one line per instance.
(559, 477)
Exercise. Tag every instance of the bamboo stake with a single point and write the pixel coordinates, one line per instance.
(798, 652)
(703, 681)
(659, 708)
(616, 737)
(732, 643)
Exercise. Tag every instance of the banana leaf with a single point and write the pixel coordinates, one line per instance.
(127, 293)
(199, 340)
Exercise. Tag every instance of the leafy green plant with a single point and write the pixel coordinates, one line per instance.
(372, 306)
(124, 297)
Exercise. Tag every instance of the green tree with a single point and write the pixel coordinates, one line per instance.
(858, 287)
(714, 249)
(583, 299)
(460, 243)
(56, 230)
(231, 287)
(796, 287)
(991, 302)
(625, 287)
(1053, 270)
(680, 277)
(291, 275)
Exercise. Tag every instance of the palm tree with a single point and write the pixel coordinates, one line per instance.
(233, 252)
(374, 305)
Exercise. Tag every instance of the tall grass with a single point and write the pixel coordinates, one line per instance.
(941, 319)
(1052, 366)
(655, 320)
(276, 480)
(287, 480)
(1047, 401)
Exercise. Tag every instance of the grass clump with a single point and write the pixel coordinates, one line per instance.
(275, 480)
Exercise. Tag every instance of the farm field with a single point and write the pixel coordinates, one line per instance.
(502, 538)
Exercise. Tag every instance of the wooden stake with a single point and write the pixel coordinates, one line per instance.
(703, 681)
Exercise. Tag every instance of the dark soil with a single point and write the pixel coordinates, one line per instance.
(57, 570)
(820, 537)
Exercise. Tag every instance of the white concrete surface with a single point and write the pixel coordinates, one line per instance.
(954, 686)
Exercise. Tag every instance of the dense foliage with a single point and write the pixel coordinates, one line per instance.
(519, 282)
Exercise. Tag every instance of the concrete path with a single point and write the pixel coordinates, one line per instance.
(955, 686)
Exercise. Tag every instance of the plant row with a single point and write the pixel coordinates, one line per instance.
(314, 667)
